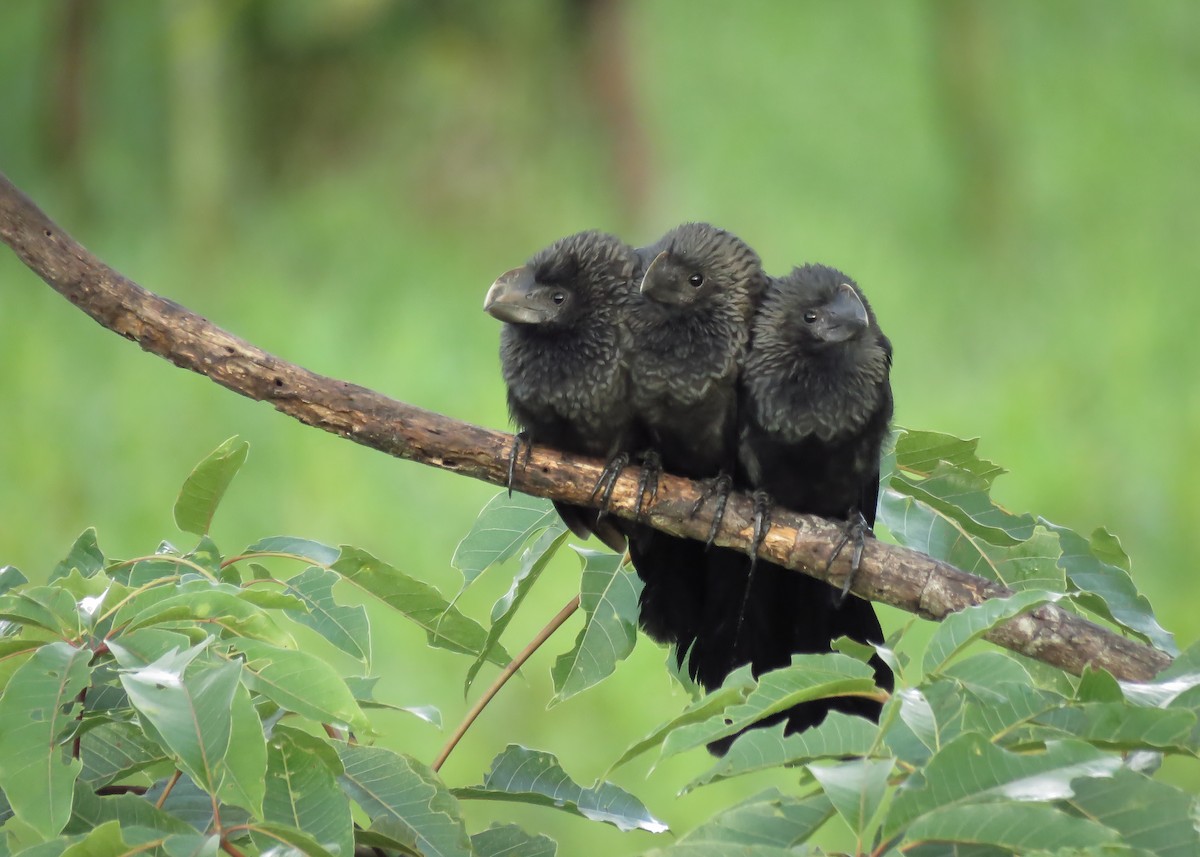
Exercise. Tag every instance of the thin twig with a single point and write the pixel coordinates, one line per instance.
(562, 616)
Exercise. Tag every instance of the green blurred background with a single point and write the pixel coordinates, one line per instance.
(1015, 185)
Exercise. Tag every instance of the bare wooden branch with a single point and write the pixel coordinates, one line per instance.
(894, 575)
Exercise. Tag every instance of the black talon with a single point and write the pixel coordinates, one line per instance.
(515, 453)
(762, 521)
(608, 481)
(719, 486)
(856, 529)
(651, 467)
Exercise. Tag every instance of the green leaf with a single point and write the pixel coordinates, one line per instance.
(1027, 564)
(508, 840)
(1010, 825)
(837, 736)
(1149, 815)
(300, 682)
(855, 788)
(129, 810)
(346, 627)
(104, 841)
(217, 603)
(48, 607)
(609, 598)
(809, 677)
(188, 707)
(300, 842)
(191, 804)
(504, 524)
(522, 775)
(1121, 726)
(85, 556)
(205, 486)
(38, 708)
(737, 686)
(10, 578)
(400, 793)
(997, 711)
(970, 768)
(958, 630)
(944, 473)
(303, 792)
(533, 563)
(1100, 568)
(295, 548)
(114, 750)
(766, 825)
(444, 625)
(245, 764)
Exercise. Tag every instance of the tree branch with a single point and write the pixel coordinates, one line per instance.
(894, 575)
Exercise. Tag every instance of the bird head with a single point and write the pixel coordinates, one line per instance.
(697, 261)
(518, 298)
(817, 306)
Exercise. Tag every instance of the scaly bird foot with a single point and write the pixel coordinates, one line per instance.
(718, 486)
(515, 453)
(762, 521)
(651, 468)
(855, 530)
(608, 481)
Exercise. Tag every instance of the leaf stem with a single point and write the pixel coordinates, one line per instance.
(505, 674)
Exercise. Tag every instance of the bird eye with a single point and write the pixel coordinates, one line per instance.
(558, 297)
(810, 316)
(696, 280)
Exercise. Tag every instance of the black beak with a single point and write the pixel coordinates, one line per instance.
(844, 316)
(511, 298)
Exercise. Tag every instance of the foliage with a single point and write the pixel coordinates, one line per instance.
(174, 703)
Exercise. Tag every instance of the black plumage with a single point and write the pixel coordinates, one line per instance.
(562, 352)
(816, 402)
(688, 338)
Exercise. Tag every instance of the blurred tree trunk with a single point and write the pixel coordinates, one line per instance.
(65, 116)
(965, 69)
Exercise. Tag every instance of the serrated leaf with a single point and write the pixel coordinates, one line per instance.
(944, 473)
(533, 563)
(445, 627)
(206, 485)
(299, 843)
(192, 805)
(855, 788)
(837, 736)
(996, 711)
(521, 775)
(503, 526)
(346, 627)
(1149, 815)
(244, 766)
(399, 791)
(970, 768)
(508, 840)
(1009, 825)
(115, 750)
(38, 708)
(302, 789)
(1025, 564)
(85, 556)
(769, 823)
(958, 630)
(809, 677)
(1100, 568)
(300, 682)
(1125, 727)
(188, 707)
(609, 599)
(983, 669)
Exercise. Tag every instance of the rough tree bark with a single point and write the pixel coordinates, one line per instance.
(891, 574)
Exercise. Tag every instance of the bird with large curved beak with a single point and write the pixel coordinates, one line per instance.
(669, 282)
(517, 298)
(842, 318)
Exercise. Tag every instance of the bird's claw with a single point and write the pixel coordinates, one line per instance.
(607, 482)
(855, 530)
(651, 468)
(521, 438)
(718, 486)
(762, 521)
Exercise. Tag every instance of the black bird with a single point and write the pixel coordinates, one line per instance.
(816, 402)
(562, 352)
(688, 338)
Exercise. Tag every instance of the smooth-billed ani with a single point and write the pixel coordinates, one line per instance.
(563, 349)
(816, 401)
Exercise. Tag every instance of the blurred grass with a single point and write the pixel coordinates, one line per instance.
(1015, 186)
